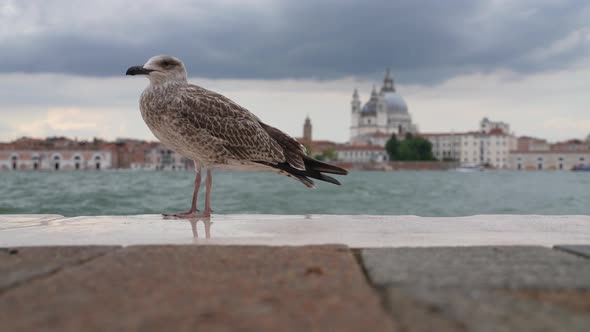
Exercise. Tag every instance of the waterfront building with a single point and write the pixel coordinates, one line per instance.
(376, 138)
(361, 153)
(490, 146)
(154, 156)
(54, 154)
(60, 153)
(537, 154)
(487, 126)
(385, 113)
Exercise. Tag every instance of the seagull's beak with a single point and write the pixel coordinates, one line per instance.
(138, 70)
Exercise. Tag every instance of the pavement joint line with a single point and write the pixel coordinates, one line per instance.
(569, 251)
(379, 290)
(54, 271)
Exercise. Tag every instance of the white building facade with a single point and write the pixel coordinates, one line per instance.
(544, 156)
(385, 112)
(549, 160)
(55, 160)
(489, 147)
(157, 157)
(361, 154)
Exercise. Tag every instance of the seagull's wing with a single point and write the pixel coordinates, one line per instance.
(240, 132)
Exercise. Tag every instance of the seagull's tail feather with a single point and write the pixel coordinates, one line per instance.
(297, 164)
(313, 169)
(303, 179)
(319, 166)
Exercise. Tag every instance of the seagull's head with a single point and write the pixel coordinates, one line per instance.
(161, 69)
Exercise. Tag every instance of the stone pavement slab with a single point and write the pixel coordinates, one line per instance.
(482, 288)
(20, 265)
(483, 267)
(355, 231)
(204, 288)
(580, 250)
(478, 310)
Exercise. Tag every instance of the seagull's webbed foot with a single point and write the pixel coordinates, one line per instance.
(205, 214)
(183, 215)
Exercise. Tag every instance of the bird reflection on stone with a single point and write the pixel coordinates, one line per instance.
(215, 132)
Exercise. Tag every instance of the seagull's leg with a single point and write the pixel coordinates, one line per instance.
(192, 212)
(208, 184)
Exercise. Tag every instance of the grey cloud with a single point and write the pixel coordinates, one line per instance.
(422, 41)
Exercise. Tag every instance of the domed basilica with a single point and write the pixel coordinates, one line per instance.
(385, 113)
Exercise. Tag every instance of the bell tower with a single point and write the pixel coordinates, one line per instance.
(355, 104)
(355, 107)
(388, 84)
(307, 129)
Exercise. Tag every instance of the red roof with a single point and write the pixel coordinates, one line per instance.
(497, 131)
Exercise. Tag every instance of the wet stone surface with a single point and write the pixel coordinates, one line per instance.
(482, 288)
(205, 288)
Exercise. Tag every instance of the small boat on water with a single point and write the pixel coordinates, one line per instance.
(468, 168)
(581, 168)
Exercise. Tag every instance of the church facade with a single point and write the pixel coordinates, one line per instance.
(384, 114)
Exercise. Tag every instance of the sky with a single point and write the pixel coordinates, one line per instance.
(525, 62)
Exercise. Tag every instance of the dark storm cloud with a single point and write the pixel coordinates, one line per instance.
(422, 41)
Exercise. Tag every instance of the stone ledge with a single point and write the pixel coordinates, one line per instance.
(277, 230)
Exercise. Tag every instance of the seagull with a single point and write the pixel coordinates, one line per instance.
(217, 133)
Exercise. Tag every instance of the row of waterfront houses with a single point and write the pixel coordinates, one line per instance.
(55, 159)
(61, 153)
(493, 146)
(538, 154)
(53, 154)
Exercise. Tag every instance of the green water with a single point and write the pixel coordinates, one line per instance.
(399, 193)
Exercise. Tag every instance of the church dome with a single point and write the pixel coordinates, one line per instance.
(370, 108)
(394, 103)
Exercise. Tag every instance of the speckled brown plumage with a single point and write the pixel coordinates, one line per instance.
(216, 132)
(211, 129)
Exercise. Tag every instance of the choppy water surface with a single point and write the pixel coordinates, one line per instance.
(421, 193)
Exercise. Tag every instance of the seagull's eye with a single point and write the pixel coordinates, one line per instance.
(165, 63)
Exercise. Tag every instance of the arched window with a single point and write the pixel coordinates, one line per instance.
(97, 162)
(56, 160)
(77, 162)
(35, 162)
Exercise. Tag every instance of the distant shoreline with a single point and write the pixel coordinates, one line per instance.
(400, 165)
